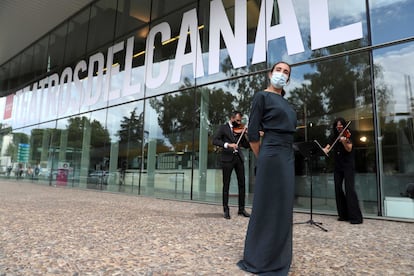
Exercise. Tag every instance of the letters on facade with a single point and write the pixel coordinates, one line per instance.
(56, 96)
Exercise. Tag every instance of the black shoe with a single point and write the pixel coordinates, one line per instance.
(226, 215)
(355, 221)
(244, 213)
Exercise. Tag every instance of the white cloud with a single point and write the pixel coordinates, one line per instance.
(382, 3)
(395, 65)
(337, 11)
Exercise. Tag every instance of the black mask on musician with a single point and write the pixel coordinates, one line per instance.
(235, 124)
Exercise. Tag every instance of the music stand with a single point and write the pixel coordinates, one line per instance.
(310, 150)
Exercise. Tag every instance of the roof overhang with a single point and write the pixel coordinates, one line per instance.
(22, 22)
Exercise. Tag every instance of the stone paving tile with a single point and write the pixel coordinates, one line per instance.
(57, 231)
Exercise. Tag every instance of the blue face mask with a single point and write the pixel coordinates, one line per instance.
(278, 80)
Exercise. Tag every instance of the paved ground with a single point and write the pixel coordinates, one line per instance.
(57, 231)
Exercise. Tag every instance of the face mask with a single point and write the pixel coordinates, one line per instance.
(235, 124)
(278, 80)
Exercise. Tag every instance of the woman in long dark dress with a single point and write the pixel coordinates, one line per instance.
(268, 244)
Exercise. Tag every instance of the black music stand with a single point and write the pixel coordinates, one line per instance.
(310, 150)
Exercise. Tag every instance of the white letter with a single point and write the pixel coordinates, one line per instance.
(92, 95)
(111, 70)
(41, 90)
(287, 28)
(18, 108)
(51, 95)
(42, 84)
(151, 82)
(65, 94)
(80, 67)
(188, 26)
(129, 89)
(35, 103)
(321, 36)
(25, 104)
(236, 44)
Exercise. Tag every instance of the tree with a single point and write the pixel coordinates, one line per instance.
(11, 150)
(76, 127)
(131, 136)
(177, 117)
(100, 139)
(245, 86)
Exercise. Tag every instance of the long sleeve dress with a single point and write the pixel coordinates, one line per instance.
(268, 244)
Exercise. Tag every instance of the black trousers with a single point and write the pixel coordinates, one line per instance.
(345, 195)
(237, 164)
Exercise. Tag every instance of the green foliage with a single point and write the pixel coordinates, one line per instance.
(77, 126)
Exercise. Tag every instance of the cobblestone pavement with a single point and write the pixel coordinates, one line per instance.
(58, 231)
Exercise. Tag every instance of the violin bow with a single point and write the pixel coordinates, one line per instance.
(241, 135)
(339, 136)
(244, 129)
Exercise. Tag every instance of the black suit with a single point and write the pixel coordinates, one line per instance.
(231, 160)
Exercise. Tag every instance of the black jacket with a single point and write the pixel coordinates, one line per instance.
(224, 135)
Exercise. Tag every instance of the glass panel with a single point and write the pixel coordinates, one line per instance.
(24, 148)
(69, 97)
(125, 127)
(394, 77)
(40, 56)
(20, 152)
(7, 149)
(26, 72)
(45, 152)
(166, 73)
(162, 8)
(67, 152)
(101, 24)
(3, 114)
(168, 150)
(127, 83)
(131, 15)
(93, 96)
(395, 25)
(82, 151)
(76, 136)
(14, 72)
(321, 92)
(232, 56)
(215, 103)
(56, 49)
(345, 29)
(337, 27)
(98, 150)
(4, 79)
(76, 39)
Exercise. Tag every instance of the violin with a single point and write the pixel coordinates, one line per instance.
(346, 133)
(239, 129)
(343, 132)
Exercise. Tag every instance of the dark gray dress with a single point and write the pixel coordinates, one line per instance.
(268, 244)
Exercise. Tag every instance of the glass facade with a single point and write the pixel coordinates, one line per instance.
(125, 96)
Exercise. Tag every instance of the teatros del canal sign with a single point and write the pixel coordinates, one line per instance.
(67, 94)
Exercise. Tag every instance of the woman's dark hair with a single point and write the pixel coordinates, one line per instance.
(290, 67)
(279, 62)
(335, 122)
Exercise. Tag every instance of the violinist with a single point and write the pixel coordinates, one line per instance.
(344, 172)
(231, 137)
